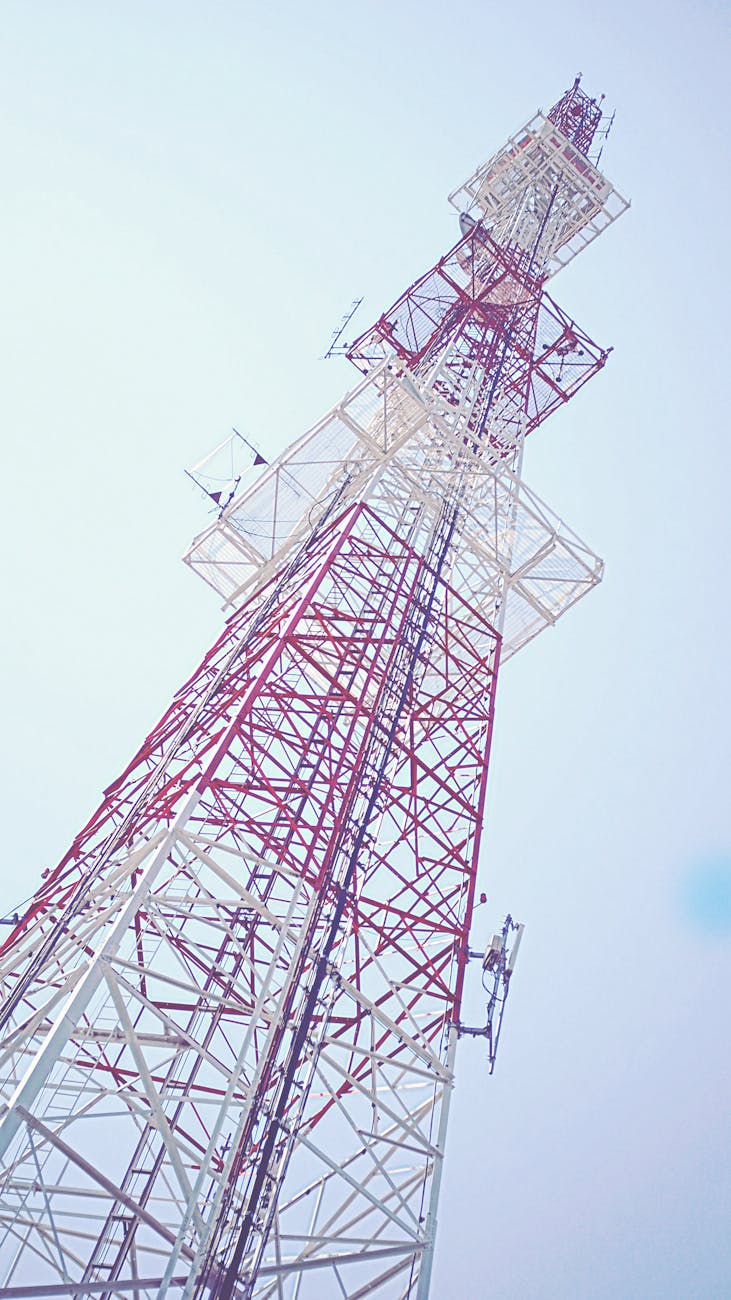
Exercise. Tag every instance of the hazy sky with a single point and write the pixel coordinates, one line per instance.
(193, 194)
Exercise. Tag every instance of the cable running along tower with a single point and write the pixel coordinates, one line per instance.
(230, 1014)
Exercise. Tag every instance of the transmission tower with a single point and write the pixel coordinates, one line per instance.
(231, 1012)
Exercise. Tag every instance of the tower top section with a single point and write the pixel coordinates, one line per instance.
(541, 192)
(578, 117)
(470, 359)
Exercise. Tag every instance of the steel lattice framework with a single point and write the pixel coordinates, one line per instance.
(231, 1012)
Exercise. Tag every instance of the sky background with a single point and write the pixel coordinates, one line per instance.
(193, 193)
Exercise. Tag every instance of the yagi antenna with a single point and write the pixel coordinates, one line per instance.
(221, 489)
(258, 458)
(336, 348)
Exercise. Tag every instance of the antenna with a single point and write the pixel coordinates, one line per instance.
(220, 472)
(336, 348)
(498, 964)
(258, 458)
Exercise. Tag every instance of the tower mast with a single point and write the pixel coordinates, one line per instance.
(231, 1012)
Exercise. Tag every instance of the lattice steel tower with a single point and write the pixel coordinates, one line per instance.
(231, 1012)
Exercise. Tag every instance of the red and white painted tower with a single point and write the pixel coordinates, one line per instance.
(231, 1013)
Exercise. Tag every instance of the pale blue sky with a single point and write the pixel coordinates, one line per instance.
(193, 193)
